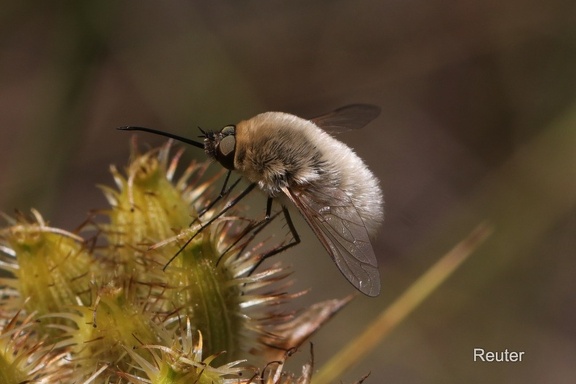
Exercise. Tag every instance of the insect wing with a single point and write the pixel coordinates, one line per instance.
(349, 117)
(333, 218)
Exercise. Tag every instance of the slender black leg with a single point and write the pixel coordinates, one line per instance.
(256, 228)
(228, 205)
(223, 192)
(268, 208)
(221, 195)
(295, 236)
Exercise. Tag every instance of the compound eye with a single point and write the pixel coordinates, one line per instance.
(227, 145)
(228, 130)
(226, 150)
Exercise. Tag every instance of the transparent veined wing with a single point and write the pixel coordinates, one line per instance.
(354, 116)
(339, 227)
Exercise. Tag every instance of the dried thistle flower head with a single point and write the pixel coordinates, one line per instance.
(116, 306)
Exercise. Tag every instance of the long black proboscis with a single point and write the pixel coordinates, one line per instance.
(162, 133)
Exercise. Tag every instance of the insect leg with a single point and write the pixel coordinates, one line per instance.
(294, 233)
(223, 192)
(228, 205)
(268, 208)
(256, 228)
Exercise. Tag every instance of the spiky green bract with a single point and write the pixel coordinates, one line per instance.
(52, 267)
(150, 208)
(26, 357)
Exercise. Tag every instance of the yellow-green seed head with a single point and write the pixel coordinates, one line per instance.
(124, 304)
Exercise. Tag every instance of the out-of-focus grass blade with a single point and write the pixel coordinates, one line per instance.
(401, 308)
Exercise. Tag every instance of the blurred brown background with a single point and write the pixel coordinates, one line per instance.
(478, 123)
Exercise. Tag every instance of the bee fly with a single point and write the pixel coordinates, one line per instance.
(333, 189)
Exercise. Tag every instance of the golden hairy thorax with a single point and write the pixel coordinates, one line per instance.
(276, 151)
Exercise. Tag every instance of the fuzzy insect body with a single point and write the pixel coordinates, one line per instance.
(338, 196)
(277, 150)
